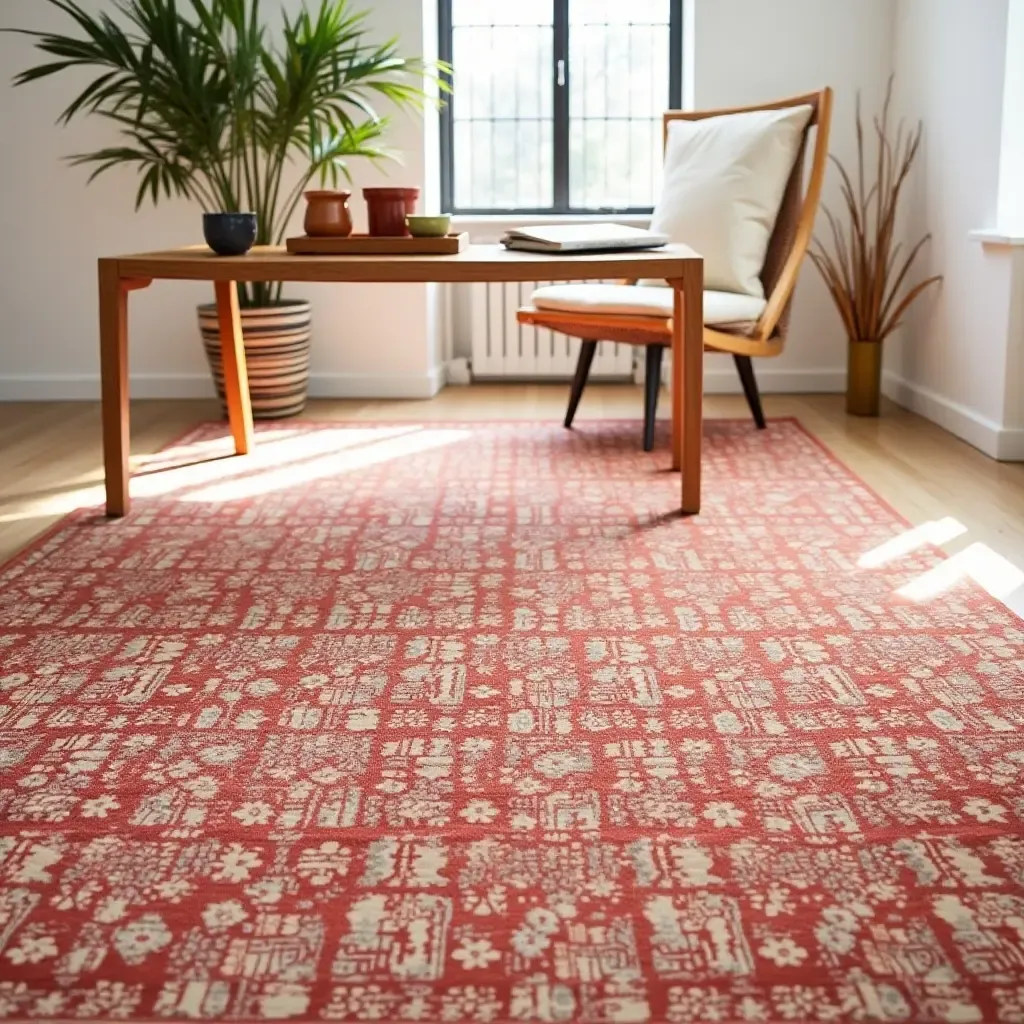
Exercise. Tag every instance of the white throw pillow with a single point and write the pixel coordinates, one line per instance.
(725, 178)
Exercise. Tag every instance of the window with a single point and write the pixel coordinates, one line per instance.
(557, 103)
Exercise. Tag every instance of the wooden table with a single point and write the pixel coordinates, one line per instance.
(678, 265)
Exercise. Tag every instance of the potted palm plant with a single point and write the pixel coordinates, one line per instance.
(212, 106)
(865, 270)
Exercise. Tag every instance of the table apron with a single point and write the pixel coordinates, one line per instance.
(367, 274)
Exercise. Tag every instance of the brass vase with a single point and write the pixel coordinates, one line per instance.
(864, 378)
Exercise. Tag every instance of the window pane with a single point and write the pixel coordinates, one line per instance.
(618, 89)
(501, 12)
(502, 122)
(503, 118)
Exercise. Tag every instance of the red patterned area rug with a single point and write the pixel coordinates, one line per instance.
(460, 724)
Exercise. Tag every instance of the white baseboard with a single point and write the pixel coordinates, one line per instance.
(770, 381)
(86, 387)
(1011, 444)
(776, 382)
(1003, 443)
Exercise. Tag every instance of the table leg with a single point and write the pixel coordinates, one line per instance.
(688, 382)
(678, 345)
(236, 377)
(113, 294)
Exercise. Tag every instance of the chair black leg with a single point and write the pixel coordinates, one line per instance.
(579, 382)
(746, 371)
(652, 385)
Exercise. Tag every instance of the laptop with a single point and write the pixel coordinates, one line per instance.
(579, 238)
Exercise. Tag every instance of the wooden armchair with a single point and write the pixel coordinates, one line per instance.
(641, 315)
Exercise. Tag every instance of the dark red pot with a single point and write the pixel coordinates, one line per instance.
(387, 209)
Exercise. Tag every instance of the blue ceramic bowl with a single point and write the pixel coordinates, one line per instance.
(229, 234)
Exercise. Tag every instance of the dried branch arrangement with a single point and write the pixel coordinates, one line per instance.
(865, 271)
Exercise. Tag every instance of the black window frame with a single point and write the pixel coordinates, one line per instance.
(560, 52)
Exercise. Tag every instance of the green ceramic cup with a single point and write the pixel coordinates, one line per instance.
(428, 227)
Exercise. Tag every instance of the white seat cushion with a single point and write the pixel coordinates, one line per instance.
(725, 177)
(720, 308)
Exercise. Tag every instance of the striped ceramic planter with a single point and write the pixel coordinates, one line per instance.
(276, 354)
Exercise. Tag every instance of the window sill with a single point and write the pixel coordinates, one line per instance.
(997, 238)
(490, 228)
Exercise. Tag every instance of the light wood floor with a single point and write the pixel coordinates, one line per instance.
(50, 459)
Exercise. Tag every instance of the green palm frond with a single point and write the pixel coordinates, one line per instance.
(211, 108)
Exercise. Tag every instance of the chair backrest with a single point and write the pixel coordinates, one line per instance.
(795, 223)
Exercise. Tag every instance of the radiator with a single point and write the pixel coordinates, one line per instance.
(500, 347)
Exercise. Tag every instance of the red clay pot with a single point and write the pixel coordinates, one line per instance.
(387, 209)
(328, 215)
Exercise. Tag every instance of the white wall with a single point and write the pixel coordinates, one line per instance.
(54, 228)
(954, 360)
(368, 340)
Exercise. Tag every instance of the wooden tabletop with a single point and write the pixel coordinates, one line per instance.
(477, 263)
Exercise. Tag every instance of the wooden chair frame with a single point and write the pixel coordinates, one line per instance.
(764, 338)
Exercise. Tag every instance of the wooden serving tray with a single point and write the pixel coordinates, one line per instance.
(366, 245)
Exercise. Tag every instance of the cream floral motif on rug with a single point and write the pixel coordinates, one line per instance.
(461, 724)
